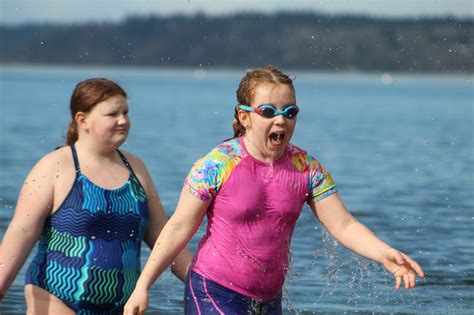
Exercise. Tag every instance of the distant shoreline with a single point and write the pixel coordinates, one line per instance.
(186, 69)
(288, 40)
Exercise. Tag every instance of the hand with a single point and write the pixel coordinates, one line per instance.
(137, 303)
(2, 290)
(402, 267)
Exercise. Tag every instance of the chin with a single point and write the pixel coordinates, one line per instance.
(117, 143)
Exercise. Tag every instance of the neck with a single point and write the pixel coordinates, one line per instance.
(258, 154)
(97, 152)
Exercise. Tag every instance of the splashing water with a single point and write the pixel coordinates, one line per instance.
(346, 277)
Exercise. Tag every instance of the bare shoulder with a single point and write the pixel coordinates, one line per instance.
(140, 169)
(40, 185)
(136, 163)
(54, 162)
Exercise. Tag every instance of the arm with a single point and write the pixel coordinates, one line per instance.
(158, 219)
(33, 206)
(171, 241)
(357, 237)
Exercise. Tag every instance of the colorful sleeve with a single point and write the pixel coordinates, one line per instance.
(207, 175)
(321, 183)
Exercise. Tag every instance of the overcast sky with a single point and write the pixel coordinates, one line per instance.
(66, 11)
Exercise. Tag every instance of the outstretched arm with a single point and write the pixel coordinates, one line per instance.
(332, 213)
(33, 206)
(173, 238)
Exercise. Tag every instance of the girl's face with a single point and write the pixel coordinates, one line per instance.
(267, 138)
(108, 121)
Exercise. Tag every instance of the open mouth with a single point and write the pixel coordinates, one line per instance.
(277, 139)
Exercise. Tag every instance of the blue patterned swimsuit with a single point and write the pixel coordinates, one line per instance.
(89, 251)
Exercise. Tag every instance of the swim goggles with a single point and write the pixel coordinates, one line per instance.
(270, 111)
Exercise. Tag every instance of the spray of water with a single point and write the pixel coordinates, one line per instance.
(358, 283)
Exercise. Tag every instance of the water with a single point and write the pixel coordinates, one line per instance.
(401, 153)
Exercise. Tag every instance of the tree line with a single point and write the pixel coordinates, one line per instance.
(288, 40)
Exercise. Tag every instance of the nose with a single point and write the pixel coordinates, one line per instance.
(279, 120)
(123, 120)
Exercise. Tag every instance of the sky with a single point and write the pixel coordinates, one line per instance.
(14, 12)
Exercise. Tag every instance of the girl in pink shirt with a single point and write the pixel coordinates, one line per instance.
(252, 189)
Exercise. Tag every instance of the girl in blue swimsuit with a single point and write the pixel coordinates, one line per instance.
(90, 205)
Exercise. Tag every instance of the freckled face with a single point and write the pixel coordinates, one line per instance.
(267, 138)
(108, 121)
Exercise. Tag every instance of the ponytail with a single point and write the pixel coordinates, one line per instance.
(72, 134)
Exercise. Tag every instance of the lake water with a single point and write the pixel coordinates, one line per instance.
(399, 146)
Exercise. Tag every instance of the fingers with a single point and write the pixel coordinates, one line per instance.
(127, 310)
(398, 282)
(406, 272)
(414, 265)
(132, 310)
(406, 281)
(412, 279)
(409, 279)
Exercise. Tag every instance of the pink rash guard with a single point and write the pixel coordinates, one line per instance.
(253, 211)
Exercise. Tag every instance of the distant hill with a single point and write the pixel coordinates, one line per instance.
(289, 40)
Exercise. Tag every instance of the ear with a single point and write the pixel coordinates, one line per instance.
(244, 118)
(81, 120)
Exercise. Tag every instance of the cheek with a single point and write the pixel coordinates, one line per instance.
(292, 125)
(262, 130)
(100, 128)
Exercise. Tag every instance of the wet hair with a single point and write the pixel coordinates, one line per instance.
(249, 83)
(86, 96)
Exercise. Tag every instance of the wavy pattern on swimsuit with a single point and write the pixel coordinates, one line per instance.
(89, 252)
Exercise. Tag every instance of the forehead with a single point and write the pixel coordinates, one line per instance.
(116, 101)
(274, 93)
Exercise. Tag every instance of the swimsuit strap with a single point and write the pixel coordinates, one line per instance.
(124, 159)
(76, 160)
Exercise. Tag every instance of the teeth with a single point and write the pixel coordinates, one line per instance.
(277, 137)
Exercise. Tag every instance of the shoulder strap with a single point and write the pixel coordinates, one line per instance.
(76, 160)
(125, 161)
